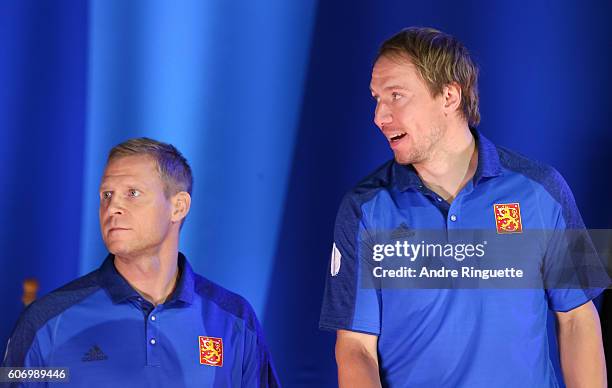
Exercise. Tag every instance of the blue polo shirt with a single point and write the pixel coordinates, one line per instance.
(109, 336)
(454, 336)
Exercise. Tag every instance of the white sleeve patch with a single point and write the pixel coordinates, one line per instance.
(8, 343)
(335, 260)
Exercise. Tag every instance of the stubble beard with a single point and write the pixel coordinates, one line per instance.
(409, 157)
(421, 152)
(131, 249)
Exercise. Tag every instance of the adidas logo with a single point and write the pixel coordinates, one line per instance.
(94, 354)
(403, 231)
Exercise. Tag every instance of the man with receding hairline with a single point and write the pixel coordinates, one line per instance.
(144, 318)
(447, 176)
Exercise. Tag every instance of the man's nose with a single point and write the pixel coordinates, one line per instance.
(114, 206)
(382, 115)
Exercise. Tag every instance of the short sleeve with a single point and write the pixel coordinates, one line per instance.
(347, 303)
(22, 349)
(257, 369)
(573, 272)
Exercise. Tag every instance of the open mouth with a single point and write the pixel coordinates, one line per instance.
(397, 137)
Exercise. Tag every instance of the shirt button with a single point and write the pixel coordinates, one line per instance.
(153, 341)
(439, 199)
(153, 317)
(453, 218)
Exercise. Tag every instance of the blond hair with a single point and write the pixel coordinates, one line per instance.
(440, 60)
(172, 166)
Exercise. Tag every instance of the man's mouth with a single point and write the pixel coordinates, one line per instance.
(116, 229)
(397, 137)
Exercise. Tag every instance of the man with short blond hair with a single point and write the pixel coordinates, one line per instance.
(144, 318)
(399, 327)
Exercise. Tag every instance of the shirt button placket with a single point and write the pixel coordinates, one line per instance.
(153, 338)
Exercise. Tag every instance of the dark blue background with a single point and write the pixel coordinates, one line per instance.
(270, 102)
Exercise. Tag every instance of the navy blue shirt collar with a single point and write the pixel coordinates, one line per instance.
(406, 176)
(120, 290)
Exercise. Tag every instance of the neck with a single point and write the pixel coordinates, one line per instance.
(451, 164)
(154, 276)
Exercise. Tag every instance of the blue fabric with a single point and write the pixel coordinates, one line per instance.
(102, 330)
(449, 337)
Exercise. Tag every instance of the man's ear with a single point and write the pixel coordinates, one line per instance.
(181, 203)
(452, 97)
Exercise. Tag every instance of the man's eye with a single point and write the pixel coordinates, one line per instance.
(106, 195)
(396, 96)
(134, 193)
